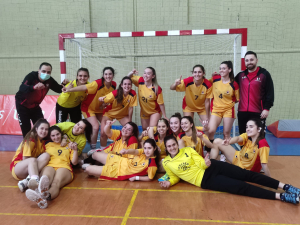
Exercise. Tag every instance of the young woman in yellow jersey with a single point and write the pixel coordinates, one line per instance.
(175, 124)
(150, 97)
(189, 166)
(70, 103)
(30, 157)
(224, 96)
(79, 133)
(58, 172)
(141, 164)
(255, 152)
(127, 138)
(158, 133)
(197, 90)
(91, 108)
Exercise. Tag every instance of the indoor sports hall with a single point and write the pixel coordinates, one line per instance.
(171, 36)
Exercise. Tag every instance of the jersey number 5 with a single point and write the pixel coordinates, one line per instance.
(59, 151)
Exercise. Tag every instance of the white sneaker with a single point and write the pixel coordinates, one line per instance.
(23, 185)
(223, 158)
(33, 184)
(84, 166)
(91, 152)
(36, 197)
(44, 187)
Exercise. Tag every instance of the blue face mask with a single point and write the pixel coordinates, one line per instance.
(45, 76)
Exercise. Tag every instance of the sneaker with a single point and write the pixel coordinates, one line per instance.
(36, 197)
(84, 166)
(164, 178)
(291, 198)
(44, 187)
(292, 190)
(223, 158)
(262, 170)
(23, 185)
(33, 184)
(91, 152)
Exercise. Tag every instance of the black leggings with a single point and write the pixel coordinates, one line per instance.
(225, 177)
(62, 114)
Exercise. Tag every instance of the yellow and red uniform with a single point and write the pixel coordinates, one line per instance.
(194, 99)
(120, 168)
(224, 97)
(159, 143)
(60, 157)
(187, 165)
(149, 101)
(116, 110)
(91, 105)
(189, 142)
(119, 144)
(251, 156)
(30, 149)
(71, 99)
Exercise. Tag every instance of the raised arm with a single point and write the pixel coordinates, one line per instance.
(107, 127)
(176, 83)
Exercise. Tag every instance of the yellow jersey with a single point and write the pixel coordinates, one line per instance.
(251, 156)
(120, 168)
(149, 101)
(119, 144)
(187, 165)
(95, 90)
(71, 99)
(194, 99)
(66, 128)
(118, 111)
(224, 96)
(30, 149)
(189, 142)
(60, 157)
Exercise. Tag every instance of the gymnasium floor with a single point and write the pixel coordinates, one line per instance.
(89, 201)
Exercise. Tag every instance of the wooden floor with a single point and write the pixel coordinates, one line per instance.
(89, 201)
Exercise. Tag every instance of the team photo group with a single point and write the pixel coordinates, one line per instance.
(173, 146)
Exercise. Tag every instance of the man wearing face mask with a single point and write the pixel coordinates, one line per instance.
(31, 93)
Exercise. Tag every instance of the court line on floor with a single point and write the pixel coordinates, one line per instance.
(144, 218)
(129, 208)
(127, 189)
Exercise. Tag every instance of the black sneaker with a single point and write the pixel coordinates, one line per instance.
(292, 190)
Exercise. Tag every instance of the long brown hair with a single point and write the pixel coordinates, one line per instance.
(154, 79)
(32, 134)
(156, 152)
(259, 124)
(135, 131)
(107, 68)
(166, 122)
(194, 132)
(120, 92)
(230, 66)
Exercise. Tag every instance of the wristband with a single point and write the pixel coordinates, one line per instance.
(137, 177)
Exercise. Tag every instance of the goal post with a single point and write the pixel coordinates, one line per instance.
(172, 53)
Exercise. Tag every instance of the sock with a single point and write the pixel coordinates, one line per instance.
(34, 177)
(103, 147)
(93, 146)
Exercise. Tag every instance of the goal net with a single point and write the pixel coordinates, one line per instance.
(171, 53)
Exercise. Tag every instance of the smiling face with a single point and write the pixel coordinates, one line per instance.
(55, 136)
(82, 77)
(224, 70)
(148, 75)
(42, 130)
(186, 125)
(126, 85)
(172, 147)
(79, 128)
(162, 128)
(108, 75)
(148, 150)
(252, 129)
(175, 125)
(251, 62)
(198, 74)
(127, 131)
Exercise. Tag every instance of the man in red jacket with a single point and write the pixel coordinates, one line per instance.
(32, 92)
(256, 92)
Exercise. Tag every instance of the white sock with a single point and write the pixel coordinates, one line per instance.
(103, 147)
(93, 146)
(34, 177)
